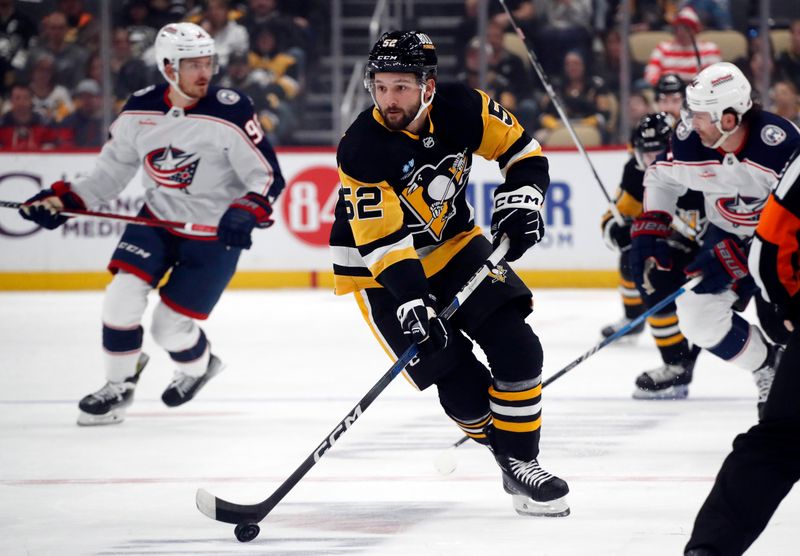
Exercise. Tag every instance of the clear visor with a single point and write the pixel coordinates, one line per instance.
(645, 158)
(198, 64)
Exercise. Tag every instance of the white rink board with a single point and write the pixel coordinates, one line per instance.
(298, 240)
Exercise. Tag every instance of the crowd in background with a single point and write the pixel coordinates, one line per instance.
(51, 72)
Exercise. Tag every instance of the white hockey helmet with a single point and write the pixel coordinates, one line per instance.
(719, 87)
(177, 41)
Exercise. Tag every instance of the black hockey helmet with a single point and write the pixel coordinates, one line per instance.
(670, 83)
(651, 135)
(402, 52)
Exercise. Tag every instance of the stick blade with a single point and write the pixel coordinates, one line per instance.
(228, 512)
(206, 503)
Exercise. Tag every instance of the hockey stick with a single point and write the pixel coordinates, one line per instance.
(247, 516)
(567, 124)
(445, 461)
(186, 226)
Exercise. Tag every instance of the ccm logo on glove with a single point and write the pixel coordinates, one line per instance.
(527, 197)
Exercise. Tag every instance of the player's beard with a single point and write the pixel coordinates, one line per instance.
(400, 118)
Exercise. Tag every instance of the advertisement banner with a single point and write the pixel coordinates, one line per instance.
(304, 214)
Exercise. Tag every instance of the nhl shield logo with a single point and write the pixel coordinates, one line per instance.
(428, 142)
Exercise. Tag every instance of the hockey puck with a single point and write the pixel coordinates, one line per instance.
(246, 532)
(446, 462)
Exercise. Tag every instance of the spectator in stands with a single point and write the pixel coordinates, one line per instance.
(16, 32)
(713, 14)
(609, 62)
(84, 127)
(293, 30)
(639, 104)
(584, 97)
(135, 18)
(274, 108)
(228, 35)
(785, 102)
(163, 12)
(128, 73)
(510, 66)
(50, 100)
(789, 60)
(21, 128)
(266, 53)
(566, 25)
(83, 27)
(70, 58)
(678, 55)
(523, 11)
(648, 15)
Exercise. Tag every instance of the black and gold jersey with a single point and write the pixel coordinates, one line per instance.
(402, 212)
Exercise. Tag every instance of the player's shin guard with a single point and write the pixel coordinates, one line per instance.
(745, 346)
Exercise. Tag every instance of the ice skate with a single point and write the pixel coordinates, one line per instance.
(615, 327)
(184, 387)
(765, 375)
(107, 406)
(667, 382)
(534, 491)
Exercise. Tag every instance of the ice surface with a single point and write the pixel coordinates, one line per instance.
(298, 361)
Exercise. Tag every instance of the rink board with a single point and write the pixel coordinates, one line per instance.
(294, 253)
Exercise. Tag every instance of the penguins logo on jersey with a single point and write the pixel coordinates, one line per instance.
(741, 211)
(431, 190)
(171, 167)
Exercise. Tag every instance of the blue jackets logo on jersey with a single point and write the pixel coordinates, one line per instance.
(171, 167)
(741, 211)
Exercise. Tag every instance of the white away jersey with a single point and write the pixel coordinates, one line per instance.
(196, 160)
(735, 185)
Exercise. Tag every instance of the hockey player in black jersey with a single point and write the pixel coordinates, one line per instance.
(670, 380)
(404, 240)
(205, 161)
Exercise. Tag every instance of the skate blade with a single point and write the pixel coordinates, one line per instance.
(113, 417)
(680, 392)
(531, 508)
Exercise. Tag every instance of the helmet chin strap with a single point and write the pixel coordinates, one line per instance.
(724, 134)
(174, 84)
(422, 104)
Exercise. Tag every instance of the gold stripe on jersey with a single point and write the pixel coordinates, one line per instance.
(432, 263)
(393, 256)
(380, 219)
(628, 205)
(500, 129)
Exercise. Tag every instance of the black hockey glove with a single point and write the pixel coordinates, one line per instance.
(420, 323)
(516, 215)
(650, 250)
(721, 266)
(617, 237)
(41, 209)
(242, 216)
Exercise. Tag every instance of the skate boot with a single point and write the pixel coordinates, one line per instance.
(534, 491)
(766, 374)
(615, 327)
(107, 406)
(667, 382)
(184, 387)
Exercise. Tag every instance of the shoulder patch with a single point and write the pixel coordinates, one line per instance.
(682, 131)
(142, 92)
(772, 135)
(226, 96)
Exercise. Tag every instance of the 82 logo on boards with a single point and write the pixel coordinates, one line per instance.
(308, 204)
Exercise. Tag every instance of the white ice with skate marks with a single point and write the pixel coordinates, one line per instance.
(297, 362)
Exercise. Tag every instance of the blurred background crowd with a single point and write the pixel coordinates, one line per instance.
(67, 66)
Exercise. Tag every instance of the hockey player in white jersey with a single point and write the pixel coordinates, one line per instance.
(733, 152)
(205, 161)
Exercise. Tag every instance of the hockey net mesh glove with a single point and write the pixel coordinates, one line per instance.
(420, 323)
(244, 214)
(721, 266)
(516, 214)
(45, 207)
